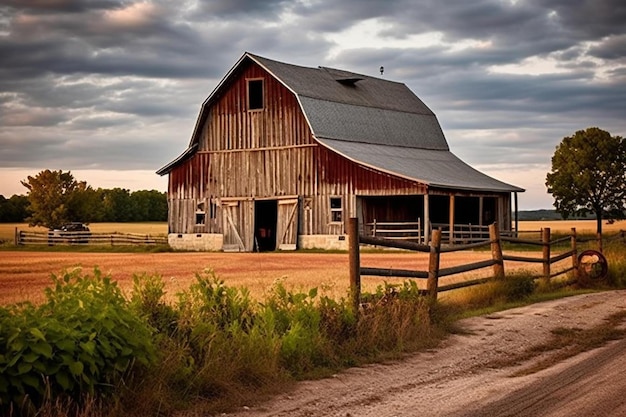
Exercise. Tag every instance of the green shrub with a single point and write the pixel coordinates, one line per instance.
(148, 301)
(81, 341)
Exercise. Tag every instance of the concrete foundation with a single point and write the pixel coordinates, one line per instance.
(201, 242)
(328, 242)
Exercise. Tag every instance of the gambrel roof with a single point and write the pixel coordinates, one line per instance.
(377, 123)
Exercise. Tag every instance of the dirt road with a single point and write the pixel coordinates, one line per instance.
(465, 376)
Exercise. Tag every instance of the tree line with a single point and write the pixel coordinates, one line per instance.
(56, 197)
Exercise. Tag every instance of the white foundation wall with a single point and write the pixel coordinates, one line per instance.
(201, 242)
(329, 242)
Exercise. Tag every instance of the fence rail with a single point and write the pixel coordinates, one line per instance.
(409, 231)
(462, 233)
(493, 240)
(86, 238)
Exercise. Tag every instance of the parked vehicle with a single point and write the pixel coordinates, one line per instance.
(74, 232)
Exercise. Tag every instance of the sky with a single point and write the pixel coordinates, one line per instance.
(111, 90)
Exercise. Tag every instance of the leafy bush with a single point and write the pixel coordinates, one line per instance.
(81, 341)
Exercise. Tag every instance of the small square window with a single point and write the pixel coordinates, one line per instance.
(336, 209)
(255, 94)
(200, 214)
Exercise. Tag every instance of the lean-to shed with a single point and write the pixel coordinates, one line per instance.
(282, 155)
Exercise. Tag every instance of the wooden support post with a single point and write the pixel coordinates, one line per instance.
(355, 266)
(16, 239)
(574, 251)
(426, 219)
(433, 264)
(516, 216)
(545, 240)
(452, 220)
(496, 251)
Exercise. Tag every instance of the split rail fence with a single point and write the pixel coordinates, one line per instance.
(435, 249)
(86, 238)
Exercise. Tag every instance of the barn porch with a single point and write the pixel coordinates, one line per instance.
(461, 218)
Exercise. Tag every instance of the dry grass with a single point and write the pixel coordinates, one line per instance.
(7, 230)
(564, 226)
(23, 275)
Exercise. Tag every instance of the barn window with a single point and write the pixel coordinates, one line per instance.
(336, 209)
(200, 214)
(255, 94)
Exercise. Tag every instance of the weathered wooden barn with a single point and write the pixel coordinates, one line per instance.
(282, 155)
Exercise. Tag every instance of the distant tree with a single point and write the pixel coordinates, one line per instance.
(117, 205)
(86, 204)
(14, 209)
(150, 205)
(589, 175)
(53, 199)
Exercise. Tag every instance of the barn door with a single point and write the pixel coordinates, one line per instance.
(287, 224)
(232, 235)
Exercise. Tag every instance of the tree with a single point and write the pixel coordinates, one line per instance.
(150, 205)
(14, 209)
(589, 175)
(53, 198)
(117, 205)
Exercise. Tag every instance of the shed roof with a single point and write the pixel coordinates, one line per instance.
(375, 122)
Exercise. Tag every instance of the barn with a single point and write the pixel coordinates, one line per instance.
(282, 155)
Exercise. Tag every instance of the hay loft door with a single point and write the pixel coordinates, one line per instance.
(287, 224)
(232, 236)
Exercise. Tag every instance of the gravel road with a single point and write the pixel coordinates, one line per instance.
(462, 377)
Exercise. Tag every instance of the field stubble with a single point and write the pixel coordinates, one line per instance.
(23, 275)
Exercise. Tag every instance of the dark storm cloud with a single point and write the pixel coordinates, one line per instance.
(119, 84)
(613, 47)
(236, 8)
(67, 6)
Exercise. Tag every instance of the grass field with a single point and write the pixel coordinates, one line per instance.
(564, 226)
(7, 230)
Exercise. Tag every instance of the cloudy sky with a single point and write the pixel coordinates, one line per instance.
(110, 90)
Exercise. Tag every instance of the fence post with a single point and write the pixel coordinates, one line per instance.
(574, 251)
(545, 240)
(496, 251)
(16, 238)
(433, 264)
(355, 266)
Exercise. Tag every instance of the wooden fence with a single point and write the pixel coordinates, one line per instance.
(411, 231)
(462, 233)
(86, 238)
(414, 232)
(435, 249)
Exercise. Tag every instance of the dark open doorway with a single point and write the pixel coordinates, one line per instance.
(265, 220)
